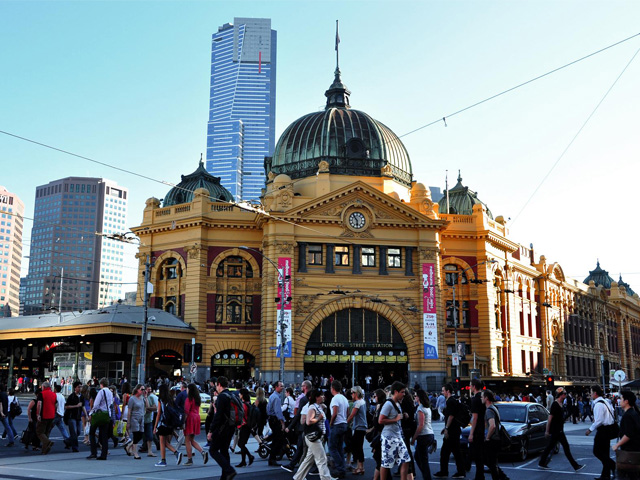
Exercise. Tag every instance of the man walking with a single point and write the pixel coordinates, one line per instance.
(74, 408)
(298, 424)
(555, 433)
(476, 436)
(451, 440)
(602, 417)
(58, 421)
(276, 423)
(220, 434)
(338, 423)
(102, 403)
(46, 413)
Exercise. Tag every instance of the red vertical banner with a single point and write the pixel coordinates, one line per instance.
(284, 315)
(429, 311)
(259, 62)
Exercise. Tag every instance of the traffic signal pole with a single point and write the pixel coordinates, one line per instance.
(193, 349)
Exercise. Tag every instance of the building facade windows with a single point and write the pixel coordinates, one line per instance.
(314, 255)
(341, 256)
(394, 258)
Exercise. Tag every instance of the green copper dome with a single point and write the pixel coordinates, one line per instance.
(461, 200)
(626, 287)
(183, 192)
(351, 142)
(600, 277)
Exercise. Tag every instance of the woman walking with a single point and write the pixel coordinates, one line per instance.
(136, 408)
(424, 434)
(245, 430)
(261, 403)
(314, 430)
(359, 426)
(160, 428)
(192, 424)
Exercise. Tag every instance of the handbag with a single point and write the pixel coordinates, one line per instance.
(100, 418)
(314, 436)
(627, 461)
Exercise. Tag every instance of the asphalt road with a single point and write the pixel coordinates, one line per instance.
(18, 463)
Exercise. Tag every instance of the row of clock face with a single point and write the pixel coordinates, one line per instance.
(344, 352)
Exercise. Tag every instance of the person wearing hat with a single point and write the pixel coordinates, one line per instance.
(555, 433)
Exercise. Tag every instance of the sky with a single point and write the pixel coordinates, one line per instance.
(127, 83)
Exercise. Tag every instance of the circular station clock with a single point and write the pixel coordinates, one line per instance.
(357, 220)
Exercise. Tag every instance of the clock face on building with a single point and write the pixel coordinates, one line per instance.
(357, 220)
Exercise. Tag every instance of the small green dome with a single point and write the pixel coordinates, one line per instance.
(600, 277)
(351, 142)
(183, 192)
(461, 200)
(626, 286)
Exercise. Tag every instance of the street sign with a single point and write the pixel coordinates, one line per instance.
(455, 359)
(619, 375)
(193, 369)
(612, 373)
(545, 371)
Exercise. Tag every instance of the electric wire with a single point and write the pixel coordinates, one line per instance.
(584, 124)
(492, 97)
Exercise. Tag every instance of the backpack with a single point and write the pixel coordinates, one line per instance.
(254, 416)
(15, 409)
(237, 416)
(171, 416)
(463, 414)
(505, 438)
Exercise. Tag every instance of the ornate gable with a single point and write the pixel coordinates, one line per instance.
(359, 207)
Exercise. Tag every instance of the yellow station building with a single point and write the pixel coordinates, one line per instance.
(370, 275)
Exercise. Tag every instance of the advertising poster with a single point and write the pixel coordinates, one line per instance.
(429, 320)
(284, 267)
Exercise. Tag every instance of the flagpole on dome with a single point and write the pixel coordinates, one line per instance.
(337, 49)
(446, 188)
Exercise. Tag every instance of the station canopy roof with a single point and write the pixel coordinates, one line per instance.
(117, 319)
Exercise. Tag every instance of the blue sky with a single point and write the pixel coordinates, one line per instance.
(127, 83)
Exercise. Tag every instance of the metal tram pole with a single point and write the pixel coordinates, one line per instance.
(142, 369)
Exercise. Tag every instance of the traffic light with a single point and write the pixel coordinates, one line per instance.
(197, 353)
(550, 381)
(456, 383)
(186, 357)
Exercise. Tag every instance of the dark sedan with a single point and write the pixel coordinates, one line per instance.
(526, 422)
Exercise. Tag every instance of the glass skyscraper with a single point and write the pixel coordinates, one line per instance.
(67, 253)
(242, 107)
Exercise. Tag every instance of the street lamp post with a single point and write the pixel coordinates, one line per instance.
(283, 300)
(455, 320)
(142, 374)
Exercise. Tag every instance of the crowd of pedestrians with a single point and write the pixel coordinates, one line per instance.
(327, 423)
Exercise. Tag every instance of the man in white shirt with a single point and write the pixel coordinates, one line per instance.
(58, 421)
(602, 417)
(338, 407)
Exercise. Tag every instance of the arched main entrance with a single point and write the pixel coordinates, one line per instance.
(233, 364)
(360, 338)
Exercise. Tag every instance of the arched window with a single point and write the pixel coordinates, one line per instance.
(234, 267)
(453, 275)
(170, 269)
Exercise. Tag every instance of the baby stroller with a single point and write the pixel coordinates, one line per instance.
(288, 449)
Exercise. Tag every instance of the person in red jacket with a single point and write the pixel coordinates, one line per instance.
(46, 413)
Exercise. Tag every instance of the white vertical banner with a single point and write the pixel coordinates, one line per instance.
(284, 269)
(429, 309)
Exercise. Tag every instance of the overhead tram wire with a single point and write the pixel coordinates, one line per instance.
(584, 124)
(515, 87)
(247, 207)
(260, 211)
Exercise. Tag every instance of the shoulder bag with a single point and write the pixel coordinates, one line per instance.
(100, 417)
(610, 431)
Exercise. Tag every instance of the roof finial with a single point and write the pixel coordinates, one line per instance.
(459, 177)
(201, 162)
(337, 50)
(598, 263)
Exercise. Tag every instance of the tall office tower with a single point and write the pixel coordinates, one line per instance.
(242, 106)
(11, 215)
(70, 266)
